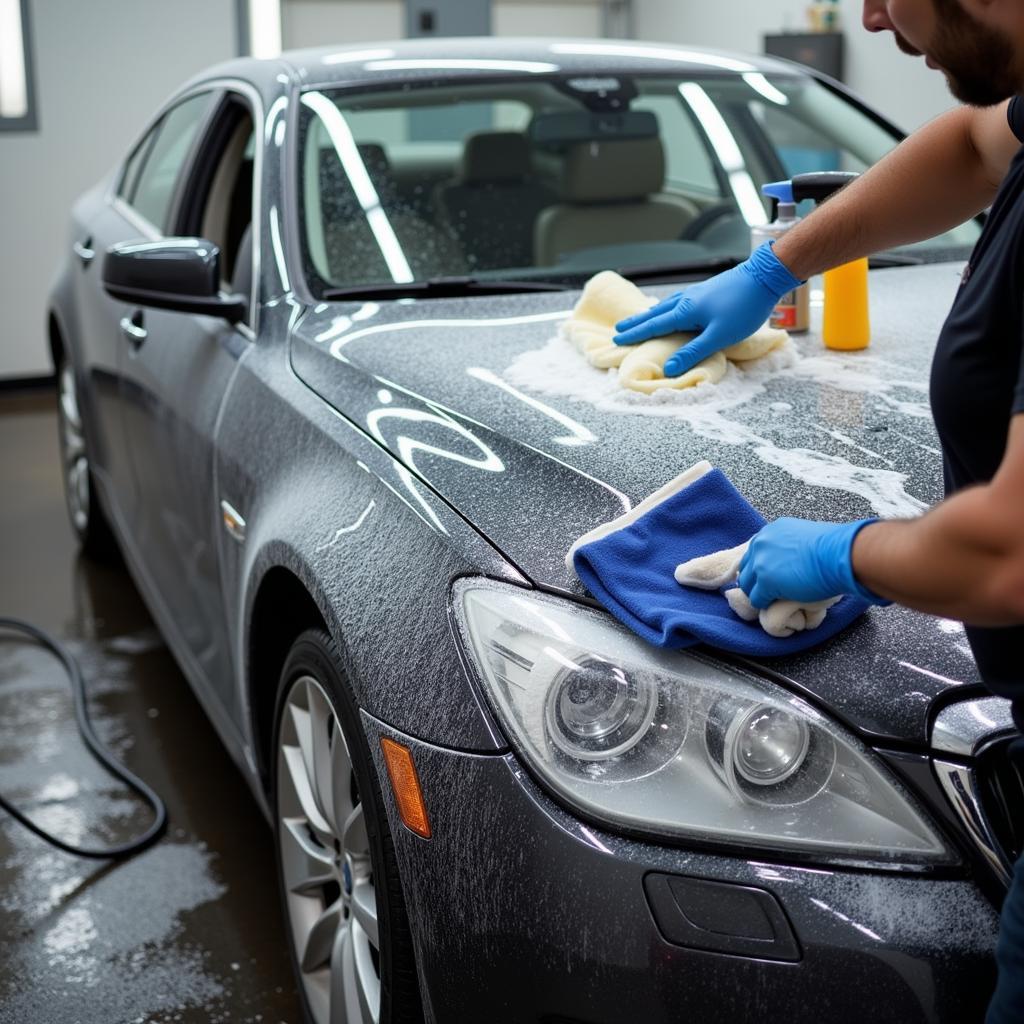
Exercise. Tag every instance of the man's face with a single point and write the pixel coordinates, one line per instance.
(979, 60)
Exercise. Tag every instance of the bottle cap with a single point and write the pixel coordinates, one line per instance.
(781, 191)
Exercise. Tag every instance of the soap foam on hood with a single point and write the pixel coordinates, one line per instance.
(559, 369)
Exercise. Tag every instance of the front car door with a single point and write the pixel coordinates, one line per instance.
(135, 202)
(178, 370)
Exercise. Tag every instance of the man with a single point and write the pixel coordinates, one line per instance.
(964, 559)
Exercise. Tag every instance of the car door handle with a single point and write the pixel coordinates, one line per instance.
(84, 251)
(132, 329)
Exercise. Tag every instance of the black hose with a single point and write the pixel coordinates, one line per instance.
(156, 829)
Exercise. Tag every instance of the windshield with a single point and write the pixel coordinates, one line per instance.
(557, 178)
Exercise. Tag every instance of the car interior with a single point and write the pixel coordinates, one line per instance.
(562, 186)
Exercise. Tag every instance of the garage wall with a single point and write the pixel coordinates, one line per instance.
(902, 87)
(341, 22)
(325, 22)
(101, 69)
(540, 18)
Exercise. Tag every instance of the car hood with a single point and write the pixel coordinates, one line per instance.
(480, 401)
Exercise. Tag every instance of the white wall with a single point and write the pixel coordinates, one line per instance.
(900, 86)
(323, 22)
(341, 22)
(541, 18)
(101, 69)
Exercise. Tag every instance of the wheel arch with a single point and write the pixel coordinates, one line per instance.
(56, 338)
(282, 609)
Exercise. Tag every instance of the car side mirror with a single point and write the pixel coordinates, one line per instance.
(181, 274)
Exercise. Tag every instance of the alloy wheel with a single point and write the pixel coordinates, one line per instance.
(76, 462)
(325, 862)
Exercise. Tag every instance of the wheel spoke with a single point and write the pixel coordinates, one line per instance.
(323, 725)
(321, 938)
(341, 781)
(344, 1002)
(303, 793)
(307, 865)
(366, 974)
(364, 909)
(353, 836)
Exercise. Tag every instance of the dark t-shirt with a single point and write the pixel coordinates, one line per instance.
(977, 385)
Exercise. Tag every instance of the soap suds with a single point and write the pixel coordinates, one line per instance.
(882, 488)
(558, 369)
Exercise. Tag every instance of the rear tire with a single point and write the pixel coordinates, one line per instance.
(344, 909)
(88, 522)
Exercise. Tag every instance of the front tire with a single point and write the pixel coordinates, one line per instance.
(343, 903)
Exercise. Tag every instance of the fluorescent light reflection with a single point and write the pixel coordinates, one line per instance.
(13, 82)
(419, 325)
(357, 56)
(348, 153)
(458, 64)
(275, 243)
(265, 28)
(578, 434)
(761, 85)
(724, 144)
(710, 60)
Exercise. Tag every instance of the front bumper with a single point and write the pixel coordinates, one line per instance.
(521, 912)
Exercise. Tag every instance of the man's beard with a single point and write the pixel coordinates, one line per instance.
(980, 63)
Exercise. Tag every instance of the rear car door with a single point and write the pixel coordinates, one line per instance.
(178, 370)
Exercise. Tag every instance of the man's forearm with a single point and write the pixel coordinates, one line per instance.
(963, 560)
(934, 180)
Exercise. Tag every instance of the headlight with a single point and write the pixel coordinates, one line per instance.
(669, 744)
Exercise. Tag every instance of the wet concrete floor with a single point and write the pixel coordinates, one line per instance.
(191, 929)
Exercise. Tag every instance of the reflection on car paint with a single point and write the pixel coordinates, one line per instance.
(275, 241)
(351, 528)
(356, 56)
(277, 109)
(530, 67)
(340, 324)
(610, 49)
(578, 434)
(475, 324)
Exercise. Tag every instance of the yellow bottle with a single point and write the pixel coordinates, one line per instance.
(847, 325)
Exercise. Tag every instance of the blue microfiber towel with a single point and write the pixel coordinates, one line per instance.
(629, 564)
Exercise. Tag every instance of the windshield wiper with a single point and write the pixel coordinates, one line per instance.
(714, 265)
(440, 288)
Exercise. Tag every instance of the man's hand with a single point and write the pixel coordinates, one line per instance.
(800, 560)
(724, 309)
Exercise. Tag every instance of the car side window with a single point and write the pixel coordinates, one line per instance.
(152, 170)
(216, 200)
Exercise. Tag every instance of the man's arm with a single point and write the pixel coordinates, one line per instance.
(964, 559)
(944, 173)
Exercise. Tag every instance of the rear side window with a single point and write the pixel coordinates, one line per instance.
(152, 170)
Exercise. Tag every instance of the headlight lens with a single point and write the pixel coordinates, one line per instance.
(667, 743)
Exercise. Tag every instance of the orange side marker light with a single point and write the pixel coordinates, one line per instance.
(406, 786)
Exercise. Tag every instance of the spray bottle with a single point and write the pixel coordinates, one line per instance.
(847, 324)
(793, 311)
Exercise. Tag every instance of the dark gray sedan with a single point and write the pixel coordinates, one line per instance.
(311, 387)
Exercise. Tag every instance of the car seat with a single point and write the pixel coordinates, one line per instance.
(492, 204)
(352, 250)
(609, 192)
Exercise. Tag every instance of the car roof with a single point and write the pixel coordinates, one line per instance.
(470, 56)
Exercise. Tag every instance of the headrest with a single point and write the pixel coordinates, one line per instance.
(494, 156)
(375, 158)
(612, 170)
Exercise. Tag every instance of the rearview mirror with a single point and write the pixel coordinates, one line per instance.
(181, 274)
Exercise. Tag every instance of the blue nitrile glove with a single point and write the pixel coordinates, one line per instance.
(725, 309)
(800, 560)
